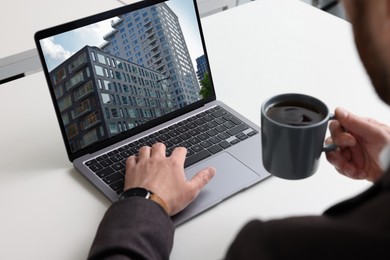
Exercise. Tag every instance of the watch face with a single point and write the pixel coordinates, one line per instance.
(137, 192)
(140, 192)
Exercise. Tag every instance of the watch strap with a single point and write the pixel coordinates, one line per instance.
(159, 201)
(144, 193)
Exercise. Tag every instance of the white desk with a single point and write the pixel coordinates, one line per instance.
(20, 19)
(256, 50)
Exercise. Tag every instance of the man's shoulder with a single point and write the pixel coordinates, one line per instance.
(378, 193)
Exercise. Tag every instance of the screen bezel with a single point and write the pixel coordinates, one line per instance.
(127, 134)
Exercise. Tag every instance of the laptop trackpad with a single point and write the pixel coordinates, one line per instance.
(231, 177)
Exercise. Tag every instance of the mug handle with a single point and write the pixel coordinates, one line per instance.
(330, 147)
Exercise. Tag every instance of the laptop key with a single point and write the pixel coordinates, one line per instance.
(176, 140)
(116, 158)
(215, 149)
(233, 119)
(215, 140)
(241, 136)
(196, 158)
(203, 136)
(113, 178)
(106, 163)
(126, 154)
(185, 136)
(190, 152)
(237, 129)
(113, 152)
(229, 124)
(105, 172)
(194, 132)
(224, 144)
(223, 136)
(220, 112)
(102, 157)
(197, 148)
(194, 140)
(91, 162)
(117, 186)
(182, 129)
(235, 141)
(118, 166)
(206, 144)
(95, 167)
(252, 133)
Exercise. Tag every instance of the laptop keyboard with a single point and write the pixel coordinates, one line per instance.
(203, 135)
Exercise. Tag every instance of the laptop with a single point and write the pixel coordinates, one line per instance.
(137, 75)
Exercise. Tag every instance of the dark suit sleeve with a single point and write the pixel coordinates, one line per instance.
(355, 229)
(133, 228)
(301, 238)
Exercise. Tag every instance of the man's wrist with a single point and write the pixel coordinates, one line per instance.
(144, 193)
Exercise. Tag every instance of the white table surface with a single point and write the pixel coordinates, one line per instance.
(48, 211)
(20, 19)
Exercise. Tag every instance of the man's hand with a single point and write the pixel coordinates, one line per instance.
(165, 176)
(360, 141)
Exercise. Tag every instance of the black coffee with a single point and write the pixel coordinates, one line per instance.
(295, 114)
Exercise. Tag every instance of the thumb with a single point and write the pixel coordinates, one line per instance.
(352, 123)
(201, 179)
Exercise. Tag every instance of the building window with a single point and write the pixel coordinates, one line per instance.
(58, 91)
(59, 76)
(82, 59)
(83, 91)
(89, 138)
(133, 113)
(124, 100)
(113, 128)
(76, 79)
(88, 72)
(157, 112)
(105, 98)
(107, 85)
(90, 120)
(107, 113)
(65, 103)
(130, 125)
(93, 56)
(81, 109)
(65, 118)
(100, 84)
(72, 131)
(99, 71)
(114, 112)
(101, 58)
(118, 75)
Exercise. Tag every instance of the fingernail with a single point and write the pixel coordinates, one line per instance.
(212, 171)
(342, 113)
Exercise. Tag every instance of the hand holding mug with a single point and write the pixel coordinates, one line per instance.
(360, 141)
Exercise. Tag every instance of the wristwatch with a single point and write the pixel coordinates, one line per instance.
(144, 193)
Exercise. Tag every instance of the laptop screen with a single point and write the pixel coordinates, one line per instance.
(112, 73)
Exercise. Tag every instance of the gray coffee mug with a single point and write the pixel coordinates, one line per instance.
(293, 128)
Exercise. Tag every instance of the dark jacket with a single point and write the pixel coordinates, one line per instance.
(358, 228)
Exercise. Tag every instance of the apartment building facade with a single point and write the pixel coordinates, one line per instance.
(100, 95)
(153, 38)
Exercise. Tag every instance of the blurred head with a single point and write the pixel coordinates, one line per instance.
(371, 26)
